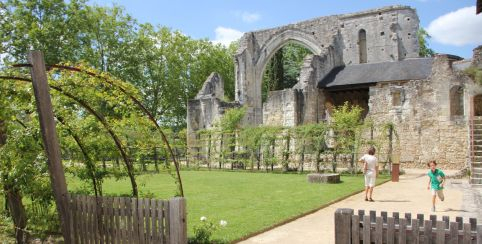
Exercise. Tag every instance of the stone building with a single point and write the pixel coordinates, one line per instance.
(371, 59)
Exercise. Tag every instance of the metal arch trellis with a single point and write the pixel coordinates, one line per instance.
(99, 117)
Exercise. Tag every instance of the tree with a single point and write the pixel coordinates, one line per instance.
(423, 37)
(346, 122)
(155, 59)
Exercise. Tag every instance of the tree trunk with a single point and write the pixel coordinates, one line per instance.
(258, 157)
(318, 160)
(17, 212)
(390, 148)
(156, 162)
(287, 153)
(104, 166)
(221, 152)
(303, 157)
(14, 199)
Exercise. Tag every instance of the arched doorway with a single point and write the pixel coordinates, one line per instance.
(478, 105)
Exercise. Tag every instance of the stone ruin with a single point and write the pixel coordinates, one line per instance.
(371, 59)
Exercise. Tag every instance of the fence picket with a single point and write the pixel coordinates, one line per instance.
(415, 232)
(390, 230)
(427, 231)
(117, 219)
(154, 230)
(147, 218)
(454, 233)
(123, 216)
(402, 231)
(355, 229)
(129, 225)
(135, 221)
(161, 215)
(83, 220)
(366, 229)
(440, 230)
(466, 239)
(479, 234)
(167, 230)
(379, 230)
(140, 212)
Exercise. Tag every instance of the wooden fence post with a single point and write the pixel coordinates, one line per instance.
(343, 218)
(177, 221)
(49, 138)
(479, 234)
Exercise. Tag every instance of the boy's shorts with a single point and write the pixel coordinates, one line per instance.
(440, 193)
(370, 180)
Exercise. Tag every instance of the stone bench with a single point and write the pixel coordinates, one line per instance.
(323, 178)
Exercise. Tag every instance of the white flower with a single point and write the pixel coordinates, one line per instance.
(223, 223)
(203, 218)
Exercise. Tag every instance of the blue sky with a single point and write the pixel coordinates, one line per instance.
(455, 27)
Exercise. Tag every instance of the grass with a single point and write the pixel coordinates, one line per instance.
(249, 202)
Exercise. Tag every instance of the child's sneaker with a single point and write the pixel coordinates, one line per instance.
(433, 209)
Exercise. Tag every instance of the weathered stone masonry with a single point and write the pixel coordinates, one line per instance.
(370, 59)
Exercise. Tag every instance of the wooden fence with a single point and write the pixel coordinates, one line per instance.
(127, 220)
(370, 228)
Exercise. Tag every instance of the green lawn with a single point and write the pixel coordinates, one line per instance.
(249, 202)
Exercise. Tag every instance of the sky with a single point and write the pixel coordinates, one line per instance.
(453, 25)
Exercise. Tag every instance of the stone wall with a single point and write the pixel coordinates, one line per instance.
(281, 108)
(207, 108)
(390, 36)
(425, 127)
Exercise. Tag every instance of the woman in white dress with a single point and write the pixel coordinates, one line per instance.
(370, 170)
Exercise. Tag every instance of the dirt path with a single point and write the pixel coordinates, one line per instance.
(410, 195)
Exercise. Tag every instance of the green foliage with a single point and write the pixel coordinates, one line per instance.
(231, 119)
(154, 58)
(283, 69)
(203, 231)
(474, 73)
(423, 37)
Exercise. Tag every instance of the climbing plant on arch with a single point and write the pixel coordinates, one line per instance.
(89, 108)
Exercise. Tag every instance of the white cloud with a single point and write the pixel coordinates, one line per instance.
(248, 17)
(457, 28)
(226, 35)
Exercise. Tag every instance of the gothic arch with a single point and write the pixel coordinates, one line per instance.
(279, 40)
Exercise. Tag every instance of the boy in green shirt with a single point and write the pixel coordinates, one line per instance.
(436, 182)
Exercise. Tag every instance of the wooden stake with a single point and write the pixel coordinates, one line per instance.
(49, 138)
